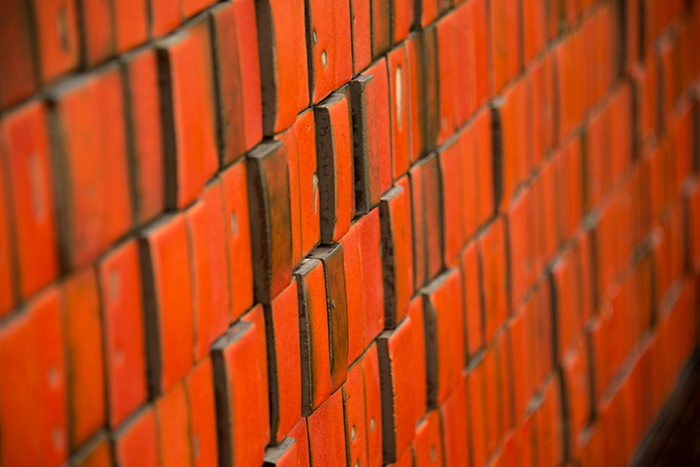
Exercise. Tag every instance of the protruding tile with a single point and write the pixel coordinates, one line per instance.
(284, 454)
(314, 335)
(365, 143)
(337, 306)
(334, 154)
(397, 254)
(271, 230)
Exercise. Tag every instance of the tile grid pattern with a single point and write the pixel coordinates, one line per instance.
(349, 232)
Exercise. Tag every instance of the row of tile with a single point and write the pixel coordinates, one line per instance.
(51, 40)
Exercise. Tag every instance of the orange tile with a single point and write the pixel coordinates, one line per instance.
(416, 312)
(86, 373)
(172, 419)
(119, 274)
(492, 251)
(19, 74)
(199, 388)
(379, 70)
(167, 301)
(34, 417)
(271, 229)
(130, 24)
(257, 316)
(369, 238)
(395, 217)
(140, 71)
(373, 406)
(165, 16)
(243, 431)
(335, 177)
(235, 33)
(361, 34)
(398, 418)
(453, 417)
(469, 263)
(135, 443)
(314, 335)
(58, 40)
(428, 446)
(91, 223)
(30, 193)
(186, 71)
(327, 432)
(237, 228)
(355, 415)
(97, 31)
(353, 290)
(284, 362)
(7, 275)
(337, 310)
(400, 128)
(283, 62)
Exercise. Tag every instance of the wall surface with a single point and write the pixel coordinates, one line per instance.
(345, 232)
